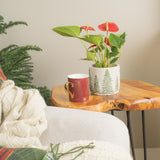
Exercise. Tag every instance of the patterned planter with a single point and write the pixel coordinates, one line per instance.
(104, 81)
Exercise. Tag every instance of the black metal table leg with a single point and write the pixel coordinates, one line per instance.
(130, 133)
(144, 136)
(112, 112)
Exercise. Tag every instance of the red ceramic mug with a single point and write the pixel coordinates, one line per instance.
(78, 87)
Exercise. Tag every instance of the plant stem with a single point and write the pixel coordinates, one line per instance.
(78, 155)
(108, 62)
(103, 57)
(94, 52)
(120, 53)
(108, 59)
(96, 55)
(99, 64)
(98, 60)
(83, 44)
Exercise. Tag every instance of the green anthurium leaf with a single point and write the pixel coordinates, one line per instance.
(114, 60)
(94, 39)
(69, 31)
(115, 40)
(90, 56)
(114, 49)
(113, 54)
(123, 36)
(106, 52)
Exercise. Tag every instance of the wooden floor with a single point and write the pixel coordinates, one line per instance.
(152, 153)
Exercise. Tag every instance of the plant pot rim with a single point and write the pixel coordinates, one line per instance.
(94, 66)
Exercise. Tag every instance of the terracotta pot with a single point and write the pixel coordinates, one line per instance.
(104, 81)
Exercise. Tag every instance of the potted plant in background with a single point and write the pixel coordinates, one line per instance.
(16, 62)
(104, 51)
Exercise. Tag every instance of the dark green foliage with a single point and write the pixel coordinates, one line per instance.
(96, 85)
(4, 26)
(116, 41)
(46, 94)
(17, 65)
(90, 82)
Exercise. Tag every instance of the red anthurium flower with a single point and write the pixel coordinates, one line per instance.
(107, 42)
(112, 27)
(92, 46)
(87, 28)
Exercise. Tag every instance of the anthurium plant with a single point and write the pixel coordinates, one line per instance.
(104, 49)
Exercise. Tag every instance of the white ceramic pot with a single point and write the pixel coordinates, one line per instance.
(104, 81)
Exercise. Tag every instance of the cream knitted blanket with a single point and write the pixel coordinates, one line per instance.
(23, 118)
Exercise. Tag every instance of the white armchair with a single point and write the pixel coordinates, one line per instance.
(23, 123)
(71, 124)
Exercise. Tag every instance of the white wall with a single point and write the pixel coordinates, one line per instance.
(140, 19)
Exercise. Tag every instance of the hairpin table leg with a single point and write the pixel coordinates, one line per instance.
(144, 136)
(112, 112)
(130, 133)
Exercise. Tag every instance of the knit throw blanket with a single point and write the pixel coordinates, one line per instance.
(23, 118)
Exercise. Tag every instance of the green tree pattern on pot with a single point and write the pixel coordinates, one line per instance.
(90, 82)
(96, 85)
(107, 83)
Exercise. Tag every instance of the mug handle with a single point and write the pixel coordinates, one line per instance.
(66, 86)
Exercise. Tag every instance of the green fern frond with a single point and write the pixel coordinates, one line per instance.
(8, 48)
(1, 18)
(16, 62)
(4, 26)
(10, 24)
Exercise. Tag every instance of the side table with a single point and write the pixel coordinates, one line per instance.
(134, 95)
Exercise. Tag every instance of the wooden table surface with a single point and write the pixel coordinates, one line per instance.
(133, 95)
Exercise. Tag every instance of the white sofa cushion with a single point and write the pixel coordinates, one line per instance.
(66, 125)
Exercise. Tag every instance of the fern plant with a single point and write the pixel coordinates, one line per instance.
(16, 62)
(4, 26)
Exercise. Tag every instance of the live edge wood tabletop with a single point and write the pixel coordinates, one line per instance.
(133, 95)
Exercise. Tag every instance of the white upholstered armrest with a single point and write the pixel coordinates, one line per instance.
(72, 124)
